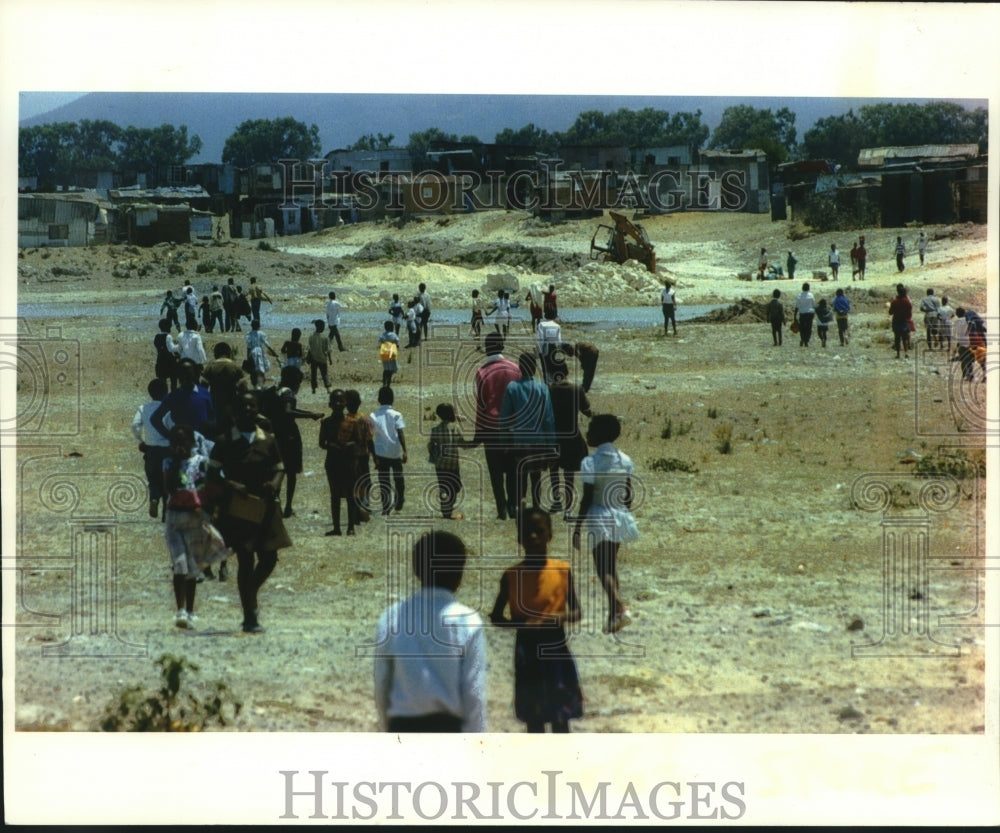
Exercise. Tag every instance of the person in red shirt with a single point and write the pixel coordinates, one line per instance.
(492, 378)
(901, 311)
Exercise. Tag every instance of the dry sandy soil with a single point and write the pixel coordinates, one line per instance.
(757, 589)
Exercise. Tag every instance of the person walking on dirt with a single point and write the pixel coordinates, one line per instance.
(862, 258)
(491, 380)
(668, 300)
(841, 310)
(333, 308)
(900, 254)
(318, 355)
(834, 260)
(805, 311)
(790, 262)
(550, 305)
(931, 308)
(255, 294)
(245, 466)
(168, 310)
(776, 316)
(901, 311)
(425, 311)
(762, 264)
(229, 306)
(922, 246)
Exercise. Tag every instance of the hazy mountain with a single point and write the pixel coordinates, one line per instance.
(343, 118)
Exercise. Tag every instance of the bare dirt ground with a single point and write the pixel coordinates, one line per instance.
(759, 597)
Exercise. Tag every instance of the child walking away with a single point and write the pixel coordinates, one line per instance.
(605, 510)
(389, 449)
(412, 324)
(167, 354)
(430, 661)
(824, 318)
(340, 464)
(193, 543)
(476, 330)
(540, 595)
(900, 254)
(396, 313)
(776, 316)
(292, 349)
(442, 449)
(388, 353)
(153, 445)
(841, 309)
(319, 355)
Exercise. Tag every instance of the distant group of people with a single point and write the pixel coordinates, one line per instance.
(942, 324)
(806, 312)
(766, 270)
(858, 254)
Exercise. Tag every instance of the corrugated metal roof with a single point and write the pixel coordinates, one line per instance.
(877, 157)
(747, 153)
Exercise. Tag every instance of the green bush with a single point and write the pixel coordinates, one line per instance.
(167, 709)
(672, 464)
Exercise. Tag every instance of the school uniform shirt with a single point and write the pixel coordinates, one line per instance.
(386, 423)
(834, 258)
(841, 305)
(431, 659)
(143, 430)
(607, 469)
(946, 315)
(667, 297)
(961, 332)
(548, 336)
(191, 346)
(333, 313)
(805, 303)
(216, 302)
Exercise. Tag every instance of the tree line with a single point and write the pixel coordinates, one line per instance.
(53, 151)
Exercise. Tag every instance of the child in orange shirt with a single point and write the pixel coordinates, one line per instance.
(540, 595)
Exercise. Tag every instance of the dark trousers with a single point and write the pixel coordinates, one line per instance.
(776, 332)
(449, 485)
(805, 327)
(390, 483)
(316, 367)
(153, 458)
(229, 318)
(528, 465)
(214, 318)
(501, 479)
(440, 722)
(668, 317)
(967, 359)
(842, 329)
(251, 575)
(335, 335)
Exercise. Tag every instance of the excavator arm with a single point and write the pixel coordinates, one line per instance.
(625, 241)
